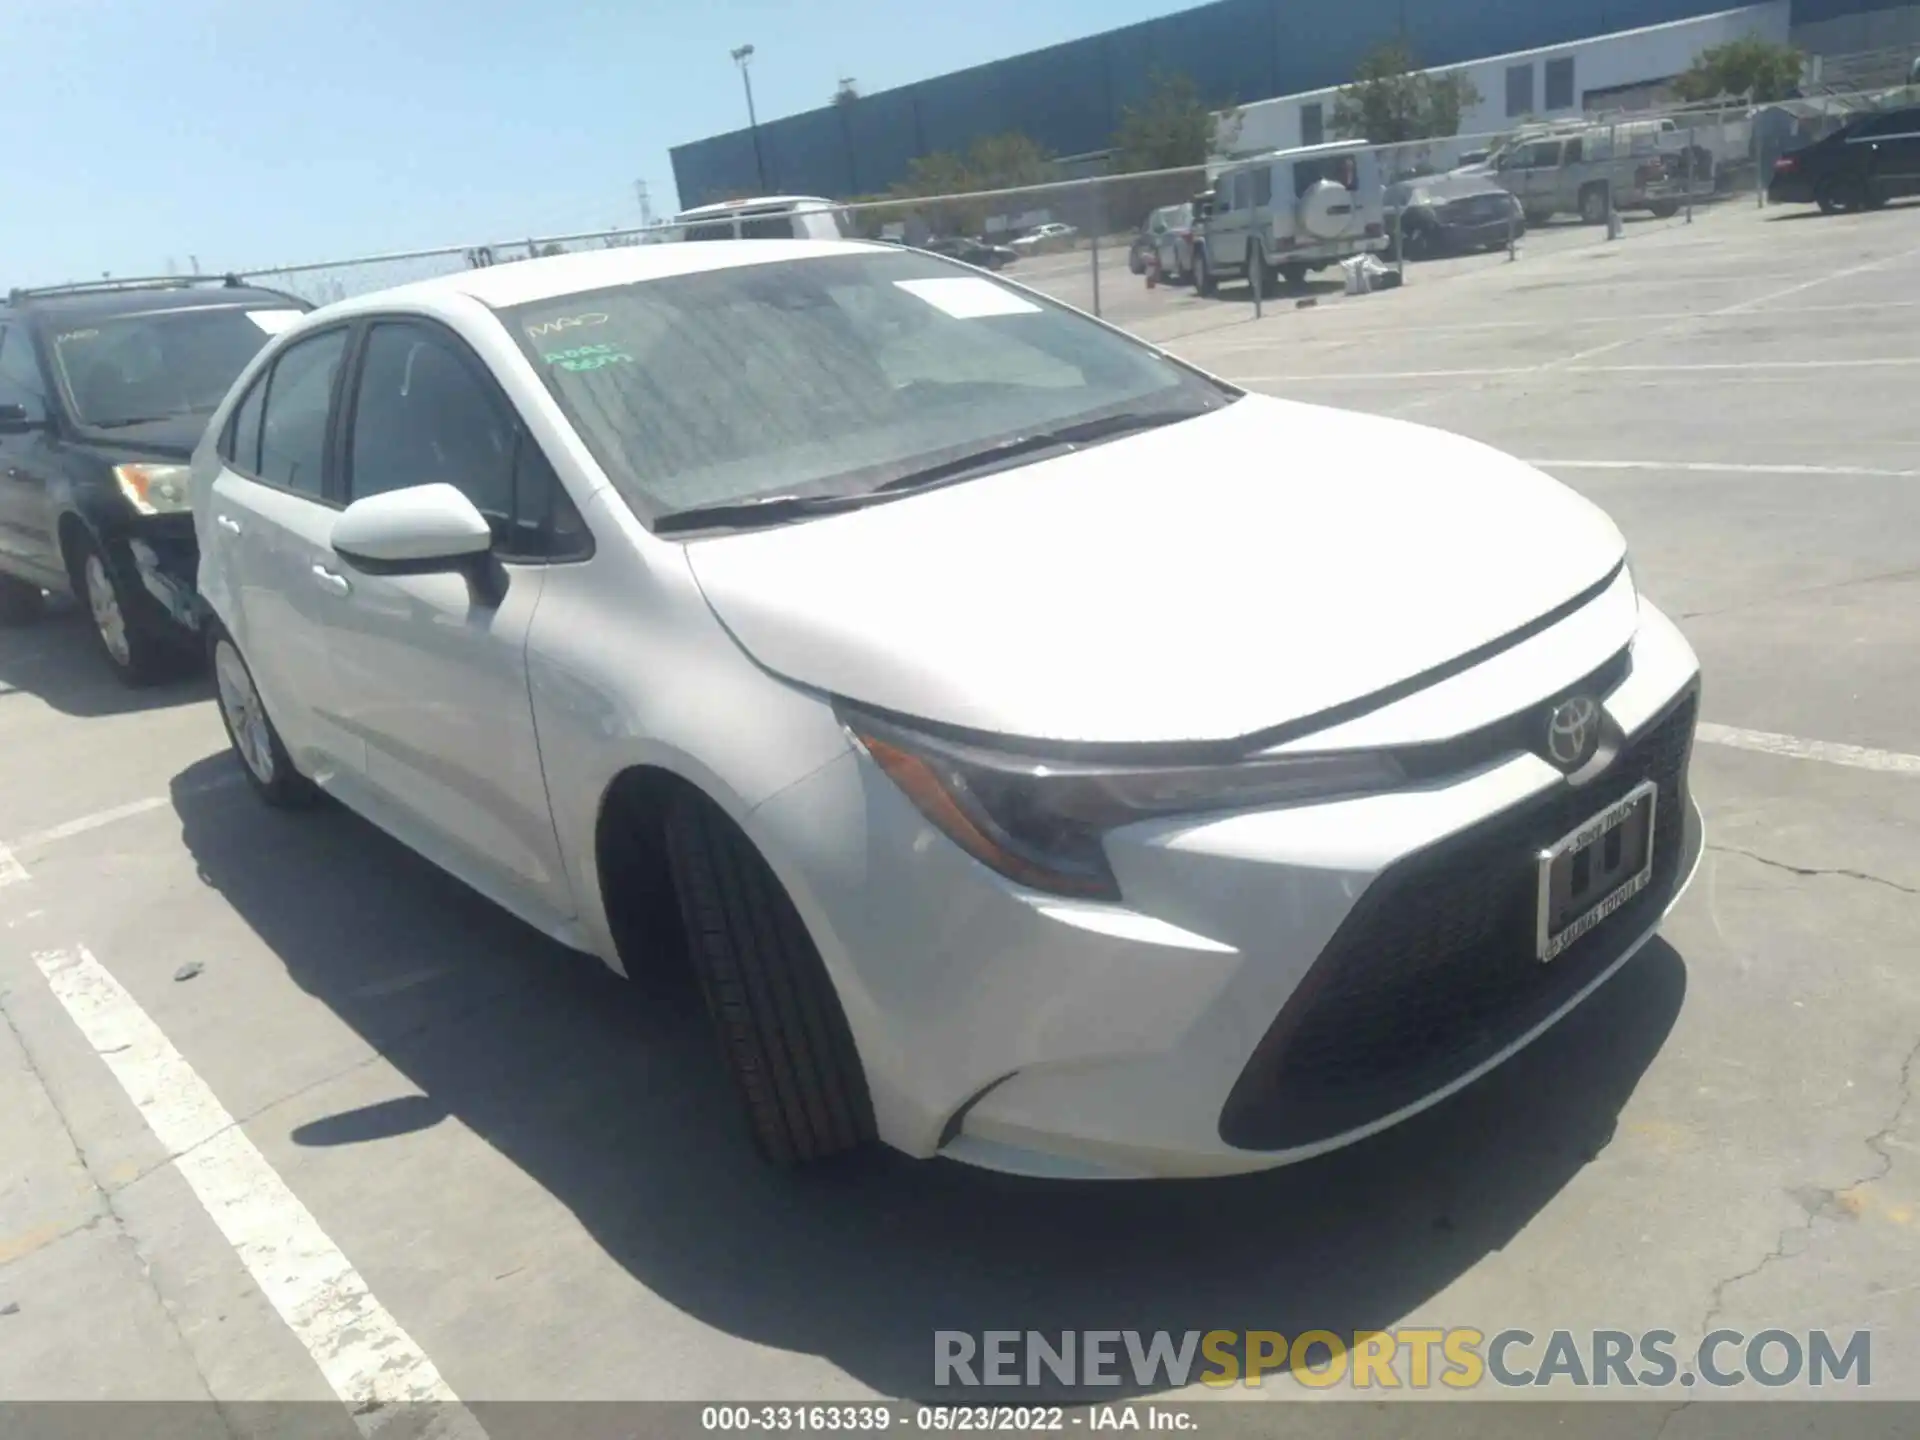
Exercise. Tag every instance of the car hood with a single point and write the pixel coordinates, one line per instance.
(1253, 566)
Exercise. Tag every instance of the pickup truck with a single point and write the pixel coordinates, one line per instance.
(1645, 163)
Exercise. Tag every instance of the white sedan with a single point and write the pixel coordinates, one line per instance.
(1044, 237)
(822, 615)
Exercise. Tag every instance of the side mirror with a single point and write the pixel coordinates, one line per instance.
(14, 420)
(422, 530)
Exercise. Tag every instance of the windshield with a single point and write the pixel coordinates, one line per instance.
(129, 368)
(826, 376)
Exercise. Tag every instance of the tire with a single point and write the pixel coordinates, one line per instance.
(1836, 197)
(20, 602)
(1136, 262)
(1295, 275)
(1416, 242)
(1202, 273)
(1665, 209)
(1593, 205)
(782, 1032)
(1259, 278)
(115, 604)
(250, 730)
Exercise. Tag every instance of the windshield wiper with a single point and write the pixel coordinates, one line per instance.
(778, 509)
(764, 510)
(984, 462)
(125, 422)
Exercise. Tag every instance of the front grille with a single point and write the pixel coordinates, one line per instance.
(1434, 972)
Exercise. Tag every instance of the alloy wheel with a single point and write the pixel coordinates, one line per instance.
(108, 618)
(246, 717)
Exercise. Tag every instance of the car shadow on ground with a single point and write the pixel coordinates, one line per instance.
(57, 658)
(610, 1095)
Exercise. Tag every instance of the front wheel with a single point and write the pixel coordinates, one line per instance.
(782, 1032)
(1665, 209)
(1295, 275)
(1202, 273)
(252, 734)
(138, 653)
(1593, 204)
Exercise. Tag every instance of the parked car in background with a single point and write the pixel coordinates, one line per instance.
(1283, 215)
(1177, 244)
(104, 389)
(1150, 241)
(972, 252)
(1859, 167)
(1453, 214)
(643, 590)
(1570, 170)
(1045, 237)
(766, 217)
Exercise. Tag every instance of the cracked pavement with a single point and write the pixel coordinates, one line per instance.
(536, 1167)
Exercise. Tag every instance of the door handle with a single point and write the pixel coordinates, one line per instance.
(332, 580)
(227, 523)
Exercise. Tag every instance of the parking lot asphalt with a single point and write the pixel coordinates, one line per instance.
(525, 1176)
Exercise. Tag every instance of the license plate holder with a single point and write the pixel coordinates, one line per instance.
(1594, 869)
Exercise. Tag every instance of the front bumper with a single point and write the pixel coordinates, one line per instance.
(1481, 234)
(166, 557)
(1276, 983)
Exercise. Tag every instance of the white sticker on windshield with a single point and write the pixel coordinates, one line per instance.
(966, 298)
(273, 321)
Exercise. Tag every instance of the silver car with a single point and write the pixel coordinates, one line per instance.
(820, 615)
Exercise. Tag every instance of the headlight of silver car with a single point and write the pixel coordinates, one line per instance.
(1041, 822)
(155, 489)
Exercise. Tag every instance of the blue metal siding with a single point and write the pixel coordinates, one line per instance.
(1070, 97)
(1811, 12)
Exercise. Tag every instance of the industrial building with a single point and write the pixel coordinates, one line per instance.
(1070, 97)
(1626, 70)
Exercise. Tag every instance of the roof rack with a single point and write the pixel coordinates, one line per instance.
(104, 287)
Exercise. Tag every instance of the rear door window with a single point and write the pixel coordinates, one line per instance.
(293, 429)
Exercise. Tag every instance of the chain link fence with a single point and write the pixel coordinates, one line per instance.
(1180, 250)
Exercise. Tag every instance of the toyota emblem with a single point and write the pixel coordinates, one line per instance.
(1573, 732)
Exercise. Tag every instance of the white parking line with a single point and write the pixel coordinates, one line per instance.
(1829, 752)
(1717, 467)
(12, 871)
(372, 1364)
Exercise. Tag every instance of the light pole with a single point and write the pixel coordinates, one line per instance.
(740, 57)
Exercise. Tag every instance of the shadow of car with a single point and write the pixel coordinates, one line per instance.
(609, 1096)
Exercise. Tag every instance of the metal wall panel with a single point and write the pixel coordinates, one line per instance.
(1070, 97)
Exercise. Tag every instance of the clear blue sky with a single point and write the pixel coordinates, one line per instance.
(256, 132)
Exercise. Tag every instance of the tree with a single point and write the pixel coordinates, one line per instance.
(1171, 128)
(1392, 100)
(993, 162)
(1758, 68)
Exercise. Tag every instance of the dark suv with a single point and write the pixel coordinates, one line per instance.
(1871, 161)
(104, 391)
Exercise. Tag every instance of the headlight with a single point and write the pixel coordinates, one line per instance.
(155, 489)
(1041, 823)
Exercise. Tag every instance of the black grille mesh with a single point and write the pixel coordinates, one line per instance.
(1435, 969)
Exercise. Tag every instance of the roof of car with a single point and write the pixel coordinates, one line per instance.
(108, 298)
(755, 202)
(522, 281)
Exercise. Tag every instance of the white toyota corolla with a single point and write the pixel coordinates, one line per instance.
(1046, 755)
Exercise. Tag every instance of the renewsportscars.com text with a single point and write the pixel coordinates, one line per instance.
(1414, 1359)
